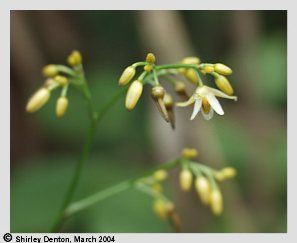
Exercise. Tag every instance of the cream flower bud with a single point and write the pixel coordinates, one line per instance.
(50, 70)
(127, 75)
(208, 68)
(61, 106)
(223, 84)
(150, 58)
(190, 60)
(225, 173)
(38, 99)
(185, 179)
(189, 153)
(160, 208)
(203, 189)
(160, 175)
(222, 69)
(191, 75)
(133, 94)
(74, 58)
(216, 202)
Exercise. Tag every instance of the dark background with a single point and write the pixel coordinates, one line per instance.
(251, 136)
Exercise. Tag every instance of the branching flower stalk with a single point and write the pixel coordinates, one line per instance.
(203, 97)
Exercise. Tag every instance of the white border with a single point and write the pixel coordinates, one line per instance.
(147, 5)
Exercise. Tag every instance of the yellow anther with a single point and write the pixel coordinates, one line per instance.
(38, 99)
(203, 189)
(185, 179)
(189, 153)
(133, 94)
(127, 75)
(168, 101)
(205, 105)
(74, 58)
(216, 202)
(50, 70)
(223, 84)
(61, 106)
(222, 69)
(160, 175)
(62, 80)
(150, 58)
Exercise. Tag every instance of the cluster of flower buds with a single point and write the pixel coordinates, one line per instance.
(56, 76)
(205, 181)
(203, 97)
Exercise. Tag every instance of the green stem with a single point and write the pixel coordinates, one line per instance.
(81, 161)
(178, 65)
(95, 119)
(101, 195)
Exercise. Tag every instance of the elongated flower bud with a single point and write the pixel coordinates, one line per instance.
(50, 70)
(38, 99)
(61, 106)
(216, 202)
(185, 179)
(203, 189)
(222, 69)
(191, 75)
(223, 84)
(133, 94)
(127, 75)
(74, 58)
(160, 209)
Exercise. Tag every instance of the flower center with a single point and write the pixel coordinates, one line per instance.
(205, 105)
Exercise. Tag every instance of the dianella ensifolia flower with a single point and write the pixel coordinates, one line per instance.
(204, 99)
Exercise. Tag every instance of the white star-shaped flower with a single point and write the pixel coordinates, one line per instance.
(204, 99)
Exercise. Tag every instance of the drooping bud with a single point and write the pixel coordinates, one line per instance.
(160, 208)
(185, 179)
(225, 174)
(74, 58)
(148, 67)
(160, 175)
(223, 84)
(158, 93)
(168, 101)
(189, 153)
(62, 80)
(127, 75)
(180, 89)
(216, 202)
(203, 189)
(150, 58)
(133, 94)
(38, 99)
(61, 106)
(50, 70)
(222, 69)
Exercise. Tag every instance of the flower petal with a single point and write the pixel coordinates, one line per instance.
(197, 107)
(186, 103)
(209, 115)
(219, 93)
(215, 104)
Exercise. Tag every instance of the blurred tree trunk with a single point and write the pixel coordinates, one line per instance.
(164, 34)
